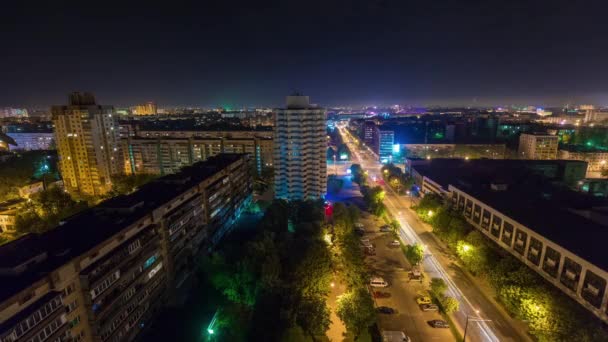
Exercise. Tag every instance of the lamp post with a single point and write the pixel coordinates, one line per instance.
(473, 319)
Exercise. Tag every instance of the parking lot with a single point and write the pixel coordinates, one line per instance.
(390, 264)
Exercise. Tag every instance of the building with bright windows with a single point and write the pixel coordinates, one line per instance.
(163, 156)
(526, 211)
(86, 135)
(148, 108)
(105, 273)
(384, 144)
(538, 146)
(597, 159)
(300, 150)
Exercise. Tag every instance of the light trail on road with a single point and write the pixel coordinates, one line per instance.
(430, 263)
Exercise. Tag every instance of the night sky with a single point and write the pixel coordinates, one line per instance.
(238, 53)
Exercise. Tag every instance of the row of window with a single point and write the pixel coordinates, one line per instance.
(35, 318)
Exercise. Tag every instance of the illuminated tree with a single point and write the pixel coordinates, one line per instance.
(414, 253)
(356, 309)
(450, 305)
(438, 287)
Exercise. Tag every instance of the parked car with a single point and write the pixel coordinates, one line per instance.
(370, 250)
(429, 307)
(360, 231)
(365, 241)
(423, 300)
(395, 243)
(379, 294)
(385, 229)
(394, 336)
(438, 323)
(359, 225)
(378, 282)
(385, 310)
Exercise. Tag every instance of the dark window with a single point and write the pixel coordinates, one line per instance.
(507, 233)
(551, 261)
(495, 226)
(593, 289)
(534, 251)
(520, 242)
(485, 219)
(477, 214)
(571, 274)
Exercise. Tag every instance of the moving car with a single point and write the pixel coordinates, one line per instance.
(378, 294)
(429, 307)
(423, 300)
(438, 323)
(385, 310)
(378, 282)
(394, 336)
(395, 243)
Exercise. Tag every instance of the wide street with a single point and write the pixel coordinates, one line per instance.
(495, 324)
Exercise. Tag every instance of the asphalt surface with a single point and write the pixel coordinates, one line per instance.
(390, 264)
(474, 303)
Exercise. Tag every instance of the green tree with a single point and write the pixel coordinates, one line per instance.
(414, 253)
(450, 305)
(356, 309)
(126, 184)
(313, 316)
(438, 287)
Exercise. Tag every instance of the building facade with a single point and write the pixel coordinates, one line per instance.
(300, 146)
(104, 274)
(579, 276)
(596, 159)
(32, 141)
(168, 155)
(86, 135)
(148, 108)
(384, 144)
(538, 146)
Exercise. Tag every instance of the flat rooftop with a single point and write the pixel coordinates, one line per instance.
(530, 198)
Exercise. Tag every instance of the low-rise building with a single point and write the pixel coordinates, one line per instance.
(596, 159)
(103, 274)
(551, 229)
(8, 214)
(31, 188)
(29, 141)
(538, 146)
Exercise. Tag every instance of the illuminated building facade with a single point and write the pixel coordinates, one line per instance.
(168, 155)
(86, 135)
(104, 274)
(384, 144)
(145, 109)
(538, 146)
(300, 150)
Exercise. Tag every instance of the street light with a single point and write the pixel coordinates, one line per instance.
(473, 319)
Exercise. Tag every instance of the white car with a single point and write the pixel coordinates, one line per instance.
(394, 336)
(378, 282)
(395, 243)
(359, 225)
(365, 242)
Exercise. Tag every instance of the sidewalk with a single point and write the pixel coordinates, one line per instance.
(336, 328)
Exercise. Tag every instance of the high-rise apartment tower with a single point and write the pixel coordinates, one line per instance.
(300, 150)
(87, 140)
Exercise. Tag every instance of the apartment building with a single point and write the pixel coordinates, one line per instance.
(103, 274)
(300, 146)
(538, 146)
(168, 155)
(86, 135)
(384, 144)
(596, 159)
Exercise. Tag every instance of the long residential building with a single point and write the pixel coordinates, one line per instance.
(556, 232)
(167, 155)
(103, 274)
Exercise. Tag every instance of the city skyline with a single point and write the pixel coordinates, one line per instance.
(490, 53)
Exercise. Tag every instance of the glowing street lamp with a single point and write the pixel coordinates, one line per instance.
(430, 213)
